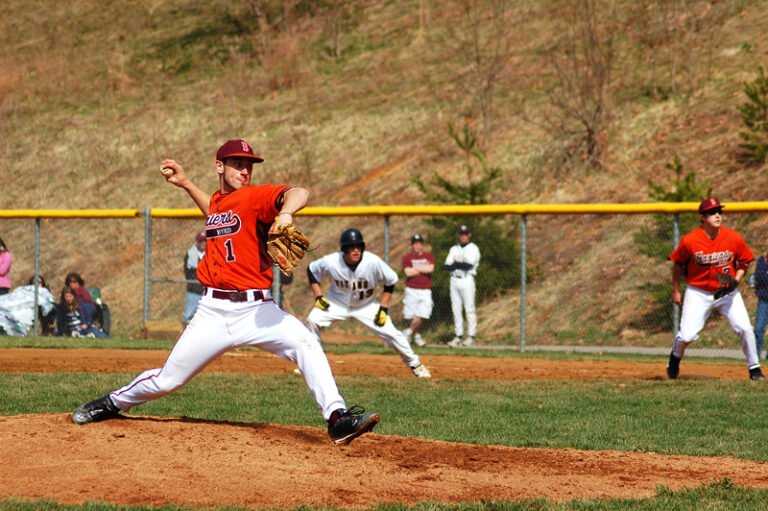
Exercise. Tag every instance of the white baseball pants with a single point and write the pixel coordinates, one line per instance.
(220, 325)
(699, 304)
(364, 314)
(463, 295)
(417, 303)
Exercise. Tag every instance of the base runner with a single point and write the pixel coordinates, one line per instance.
(237, 308)
(354, 275)
(713, 259)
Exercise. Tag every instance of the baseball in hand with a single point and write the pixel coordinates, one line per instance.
(167, 171)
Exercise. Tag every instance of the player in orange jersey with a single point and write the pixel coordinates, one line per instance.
(237, 308)
(704, 253)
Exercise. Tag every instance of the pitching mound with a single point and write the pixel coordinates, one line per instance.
(153, 461)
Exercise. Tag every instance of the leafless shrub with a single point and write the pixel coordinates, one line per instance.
(305, 143)
(583, 60)
(676, 41)
(338, 17)
(9, 82)
(484, 39)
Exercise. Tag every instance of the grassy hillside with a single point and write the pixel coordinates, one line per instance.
(352, 99)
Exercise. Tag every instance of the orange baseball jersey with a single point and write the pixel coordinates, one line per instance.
(236, 231)
(705, 258)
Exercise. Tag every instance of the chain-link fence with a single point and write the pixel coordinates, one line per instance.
(588, 278)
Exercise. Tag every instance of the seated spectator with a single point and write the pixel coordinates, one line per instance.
(17, 308)
(47, 318)
(74, 318)
(76, 282)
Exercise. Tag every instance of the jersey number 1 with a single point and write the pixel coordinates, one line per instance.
(230, 252)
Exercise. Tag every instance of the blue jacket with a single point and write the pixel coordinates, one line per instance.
(761, 279)
(87, 311)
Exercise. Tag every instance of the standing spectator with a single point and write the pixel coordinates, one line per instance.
(354, 274)
(76, 282)
(761, 290)
(73, 318)
(418, 266)
(708, 256)
(6, 259)
(462, 262)
(194, 289)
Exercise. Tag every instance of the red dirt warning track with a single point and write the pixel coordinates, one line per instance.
(442, 366)
(155, 461)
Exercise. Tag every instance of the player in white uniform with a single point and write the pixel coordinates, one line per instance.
(354, 275)
(462, 262)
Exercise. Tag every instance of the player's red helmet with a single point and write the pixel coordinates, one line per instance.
(351, 237)
(710, 203)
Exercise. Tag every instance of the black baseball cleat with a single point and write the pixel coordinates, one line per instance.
(756, 374)
(94, 411)
(673, 366)
(346, 425)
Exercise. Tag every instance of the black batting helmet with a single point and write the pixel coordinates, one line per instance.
(351, 237)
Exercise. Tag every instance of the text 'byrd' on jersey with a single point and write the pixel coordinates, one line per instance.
(704, 257)
(353, 288)
(236, 230)
(468, 253)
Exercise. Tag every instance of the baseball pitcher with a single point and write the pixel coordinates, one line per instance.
(237, 308)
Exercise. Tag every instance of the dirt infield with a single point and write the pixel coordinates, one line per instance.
(442, 366)
(155, 461)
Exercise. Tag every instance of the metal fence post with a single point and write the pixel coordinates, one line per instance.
(675, 307)
(523, 249)
(386, 239)
(147, 250)
(276, 276)
(35, 322)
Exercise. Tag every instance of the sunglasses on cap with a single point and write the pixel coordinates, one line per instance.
(716, 211)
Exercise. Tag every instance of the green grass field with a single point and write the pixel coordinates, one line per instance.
(702, 418)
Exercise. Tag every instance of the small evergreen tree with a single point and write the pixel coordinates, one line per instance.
(754, 113)
(475, 191)
(656, 240)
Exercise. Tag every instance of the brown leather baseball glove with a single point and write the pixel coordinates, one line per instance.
(727, 284)
(286, 246)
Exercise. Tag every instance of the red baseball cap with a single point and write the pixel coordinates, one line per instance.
(200, 236)
(240, 148)
(708, 204)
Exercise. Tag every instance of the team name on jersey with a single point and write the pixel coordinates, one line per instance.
(222, 224)
(353, 285)
(361, 288)
(714, 259)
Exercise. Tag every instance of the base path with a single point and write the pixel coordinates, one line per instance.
(155, 461)
(442, 366)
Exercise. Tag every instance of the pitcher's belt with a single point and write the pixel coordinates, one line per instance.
(249, 295)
